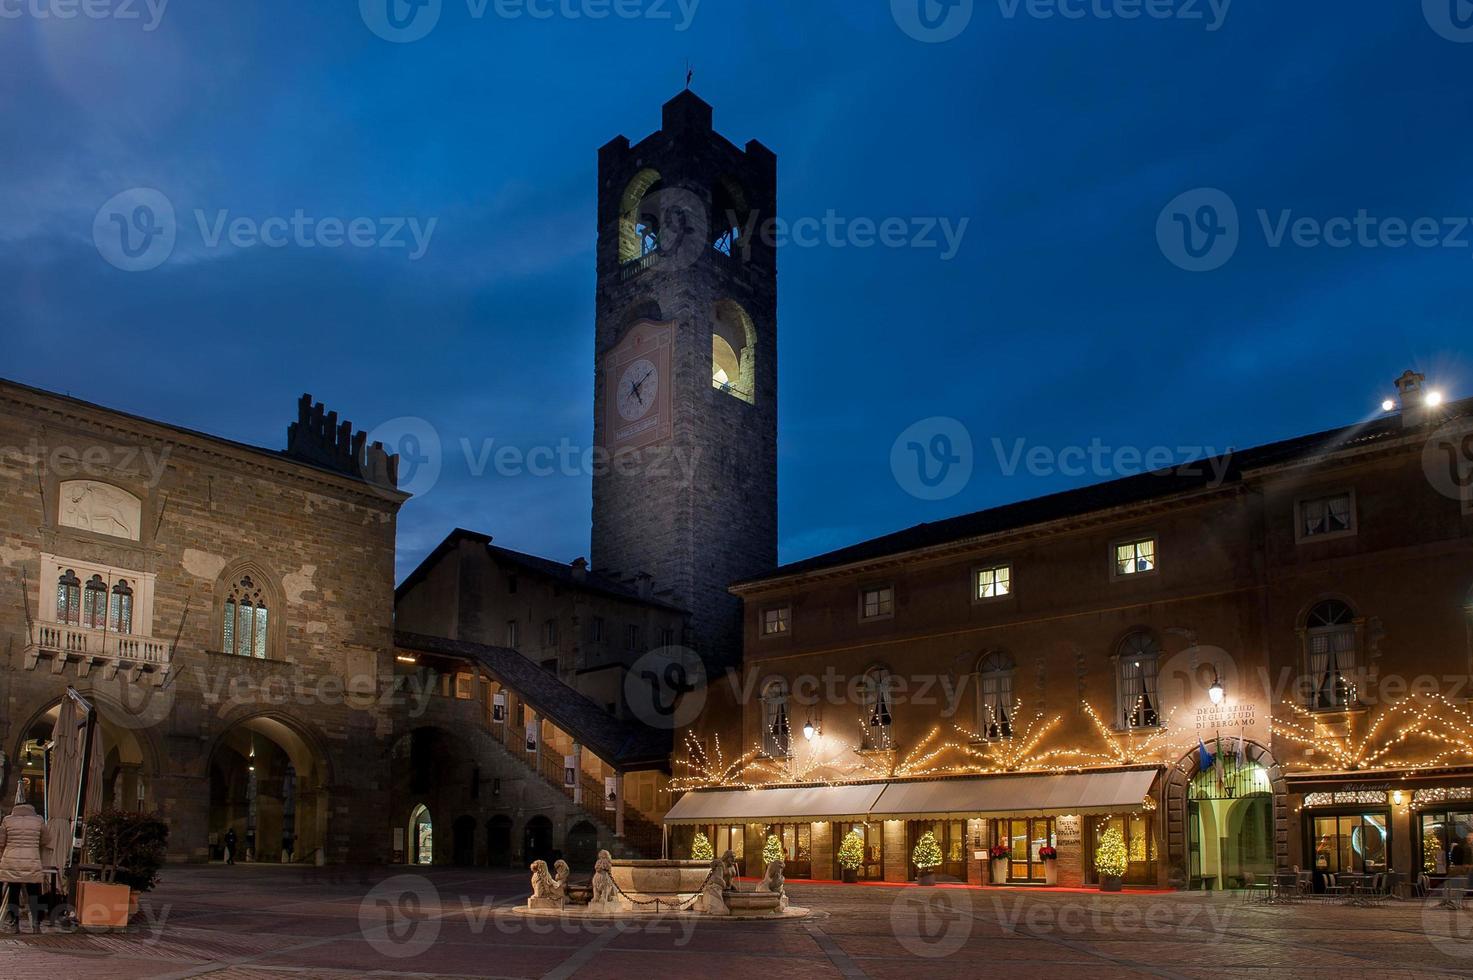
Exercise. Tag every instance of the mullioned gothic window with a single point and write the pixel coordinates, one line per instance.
(69, 599)
(120, 611)
(94, 603)
(247, 620)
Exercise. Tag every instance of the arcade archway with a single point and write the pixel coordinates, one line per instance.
(1231, 818)
(128, 762)
(268, 784)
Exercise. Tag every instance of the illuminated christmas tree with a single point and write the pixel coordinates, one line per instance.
(927, 854)
(851, 851)
(700, 848)
(1430, 846)
(1110, 855)
(772, 850)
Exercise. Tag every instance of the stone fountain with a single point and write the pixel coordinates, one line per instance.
(632, 888)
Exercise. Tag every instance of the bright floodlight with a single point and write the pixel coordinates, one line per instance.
(1434, 398)
(1387, 405)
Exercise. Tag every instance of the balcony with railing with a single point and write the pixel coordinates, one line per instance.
(63, 643)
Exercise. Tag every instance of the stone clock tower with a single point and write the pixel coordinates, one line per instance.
(686, 368)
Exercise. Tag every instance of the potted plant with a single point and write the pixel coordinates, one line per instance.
(1110, 859)
(999, 855)
(701, 850)
(927, 858)
(772, 851)
(130, 849)
(851, 856)
(1050, 857)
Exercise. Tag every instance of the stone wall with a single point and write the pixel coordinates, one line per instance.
(319, 547)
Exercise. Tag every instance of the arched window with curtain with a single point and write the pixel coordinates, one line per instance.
(69, 598)
(1138, 661)
(876, 715)
(247, 620)
(1330, 651)
(94, 603)
(120, 610)
(995, 695)
(776, 732)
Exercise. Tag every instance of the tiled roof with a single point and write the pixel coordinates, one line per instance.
(623, 744)
(559, 572)
(1132, 490)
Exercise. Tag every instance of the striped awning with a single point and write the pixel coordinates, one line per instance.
(1043, 794)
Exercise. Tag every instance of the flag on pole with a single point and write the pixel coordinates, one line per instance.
(1242, 751)
(1221, 774)
(1204, 758)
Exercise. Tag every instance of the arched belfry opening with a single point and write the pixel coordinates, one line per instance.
(639, 231)
(729, 216)
(734, 351)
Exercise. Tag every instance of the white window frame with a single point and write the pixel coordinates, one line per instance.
(995, 694)
(992, 568)
(513, 634)
(1126, 691)
(1301, 505)
(142, 584)
(549, 633)
(1343, 641)
(776, 720)
(877, 710)
(877, 590)
(777, 621)
(1135, 540)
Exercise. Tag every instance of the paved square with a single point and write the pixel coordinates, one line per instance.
(440, 922)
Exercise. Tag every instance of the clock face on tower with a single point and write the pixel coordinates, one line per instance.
(636, 387)
(639, 386)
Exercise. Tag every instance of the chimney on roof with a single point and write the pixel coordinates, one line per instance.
(580, 569)
(1418, 402)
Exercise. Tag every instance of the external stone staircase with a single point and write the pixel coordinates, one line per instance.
(643, 838)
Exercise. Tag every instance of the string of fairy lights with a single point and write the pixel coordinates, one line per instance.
(1420, 732)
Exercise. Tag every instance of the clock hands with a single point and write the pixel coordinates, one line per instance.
(634, 386)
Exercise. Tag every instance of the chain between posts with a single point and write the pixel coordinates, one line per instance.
(673, 907)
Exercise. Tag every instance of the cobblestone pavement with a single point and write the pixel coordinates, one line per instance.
(256, 922)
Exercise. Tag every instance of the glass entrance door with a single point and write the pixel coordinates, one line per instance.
(873, 868)
(796, 840)
(1024, 838)
(951, 835)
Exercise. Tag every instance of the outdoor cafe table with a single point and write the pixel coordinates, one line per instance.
(1357, 888)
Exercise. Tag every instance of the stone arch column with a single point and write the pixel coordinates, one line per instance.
(1179, 776)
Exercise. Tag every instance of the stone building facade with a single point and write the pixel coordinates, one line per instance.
(1247, 665)
(228, 609)
(685, 384)
(582, 627)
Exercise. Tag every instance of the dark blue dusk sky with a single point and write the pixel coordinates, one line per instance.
(1061, 319)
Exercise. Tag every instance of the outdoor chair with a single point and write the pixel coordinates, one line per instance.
(1453, 892)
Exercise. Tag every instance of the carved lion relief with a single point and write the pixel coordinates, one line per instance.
(100, 508)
